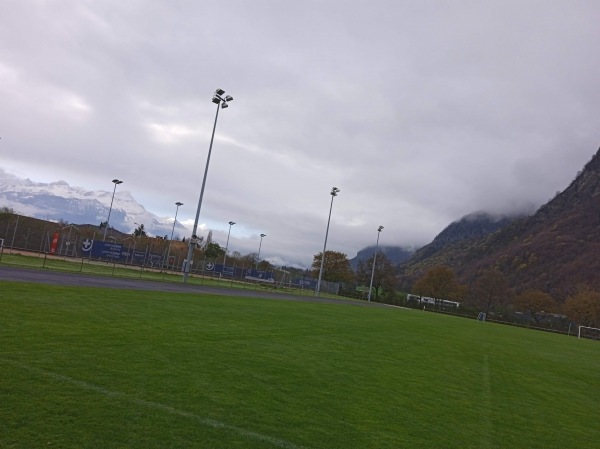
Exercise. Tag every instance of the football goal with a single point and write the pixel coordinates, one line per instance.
(588, 332)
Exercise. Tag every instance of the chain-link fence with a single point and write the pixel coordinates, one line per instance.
(27, 241)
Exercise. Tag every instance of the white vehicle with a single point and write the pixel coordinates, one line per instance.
(444, 303)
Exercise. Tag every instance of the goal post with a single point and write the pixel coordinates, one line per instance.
(597, 331)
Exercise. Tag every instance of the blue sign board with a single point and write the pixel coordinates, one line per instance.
(138, 257)
(305, 283)
(257, 275)
(227, 271)
(118, 253)
(104, 250)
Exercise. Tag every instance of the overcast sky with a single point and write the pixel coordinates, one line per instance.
(420, 112)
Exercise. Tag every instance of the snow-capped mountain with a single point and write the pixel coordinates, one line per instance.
(60, 201)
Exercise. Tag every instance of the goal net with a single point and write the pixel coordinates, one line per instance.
(588, 332)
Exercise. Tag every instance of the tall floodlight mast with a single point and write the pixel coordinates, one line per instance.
(333, 193)
(222, 103)
(379, 229)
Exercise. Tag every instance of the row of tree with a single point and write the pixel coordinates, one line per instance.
(490, 293)
(337, 268)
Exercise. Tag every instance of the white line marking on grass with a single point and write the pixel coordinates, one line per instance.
(486, 424)
(159, 406)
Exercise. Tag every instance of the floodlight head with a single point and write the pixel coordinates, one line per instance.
(335, 191)
(380, 228)
(231, 223)
(216, 100)
(178, 203)
(263, 235)
(228, 98)
(116, 181)
(219, 91)
(224, 105)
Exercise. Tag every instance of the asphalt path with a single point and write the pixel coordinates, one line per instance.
(48, 277)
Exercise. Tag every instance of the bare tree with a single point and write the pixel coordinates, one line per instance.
(489, 290)
(440, 283)
(383, 274)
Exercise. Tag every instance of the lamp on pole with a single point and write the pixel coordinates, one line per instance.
(231, 223)
(333, 193)
(116, 182)
(259, 245)
(178, 203)
(221, 102)
(379, 229)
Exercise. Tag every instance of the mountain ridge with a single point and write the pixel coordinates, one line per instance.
(553, 250)
(396, 254)
(60, 201)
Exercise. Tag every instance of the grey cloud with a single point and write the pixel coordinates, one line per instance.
(420, 112)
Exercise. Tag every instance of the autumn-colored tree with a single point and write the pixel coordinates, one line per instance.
(383, 274)
(584, 308)
(440, 283)
(336, 267)
(489, 290)
(535, 302)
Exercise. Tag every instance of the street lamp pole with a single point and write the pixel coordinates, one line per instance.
(379, 229)
(333, 193)
(178, 203)
(221, 102)
(231, 223)
(116, 182)
(259, 246)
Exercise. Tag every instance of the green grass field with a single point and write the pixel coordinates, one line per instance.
(85, 266)
(92, 368)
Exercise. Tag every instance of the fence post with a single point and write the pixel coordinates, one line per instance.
(12, 245)
(27, 238)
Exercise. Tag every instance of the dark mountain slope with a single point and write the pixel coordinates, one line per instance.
(554, 250)
(395, 254)
(456, 238)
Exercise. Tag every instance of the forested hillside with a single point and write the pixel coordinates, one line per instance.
(554, 250)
